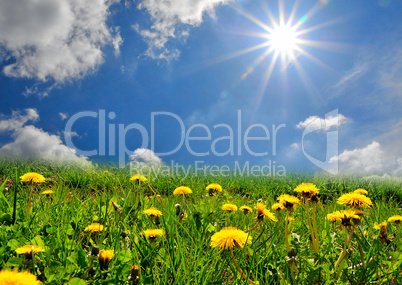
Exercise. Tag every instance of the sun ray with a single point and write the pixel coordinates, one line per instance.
(253, 19)
(285, 39)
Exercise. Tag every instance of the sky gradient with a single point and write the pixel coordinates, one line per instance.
(182, 81)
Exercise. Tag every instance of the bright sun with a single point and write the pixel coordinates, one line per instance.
(283, 39)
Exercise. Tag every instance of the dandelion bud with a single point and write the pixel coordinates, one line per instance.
(292, 253)
(104, 258)
(95, 250)
(178, 210)
(123, 234)
(135, 275)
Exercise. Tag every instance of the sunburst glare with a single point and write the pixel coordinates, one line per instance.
(286, 39)
(283, 39)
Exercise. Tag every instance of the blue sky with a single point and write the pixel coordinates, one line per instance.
(331, 93)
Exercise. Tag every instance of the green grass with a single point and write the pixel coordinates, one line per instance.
(184, 255)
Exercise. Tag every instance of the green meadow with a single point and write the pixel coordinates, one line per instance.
(105, 196)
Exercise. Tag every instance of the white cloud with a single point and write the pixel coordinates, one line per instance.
(352, 75)
(166, 15)
(363, 160)
(317, 123)
(17, 120)
(62, 116)
(32, 142)
(70, 134)
(377, 73)
(146, 156)
(59, 40)
(295, 146)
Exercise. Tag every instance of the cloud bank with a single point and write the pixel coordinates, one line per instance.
(31, 142)
(317, 123)
(59, 40)
(146, 156)
(166, 17)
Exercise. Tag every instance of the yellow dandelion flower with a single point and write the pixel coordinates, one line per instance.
(277, 207)
(184, 216)
(229, 237)
(307, 190)
(47, 192)
(138, 178)
(288, 201)
(360, 191)
(229, 207)
(289, 219)
(106, 255)
(157, 196)
(333, 217)
(94, 227)
(355, 200)
(246, 209)
(8, 277)
(262, 213)
(396, 218)
(153, 233)
(32, 177)
(381, 225)
(213, 188)
(267, 214)
(153, 212)
(345, 216)
(182, 190)
(360, 213)
(28, 249)
(106, 171)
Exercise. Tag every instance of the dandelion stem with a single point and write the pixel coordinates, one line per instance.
(15, 197)
(238, 268)
(151, 189)
(286, 232)
(253, 228)
(339, 262)
(310, 227)
(137, 199)
(30, 200)
(317, 241)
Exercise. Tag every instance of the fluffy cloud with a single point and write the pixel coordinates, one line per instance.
(62, 116)
(17, 120)
(146, 156)
(59, 40)
(166, 15)
(317, 123)
(362, 160)
(32, 142)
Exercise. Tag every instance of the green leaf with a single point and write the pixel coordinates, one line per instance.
(73, 258)
(51, 230)
(124, 256)
(14, 261)
(38, 241)
(13, 244)
(6, 218)
(82, 258)
(211, 228)
(76, 281)
(2, 195)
